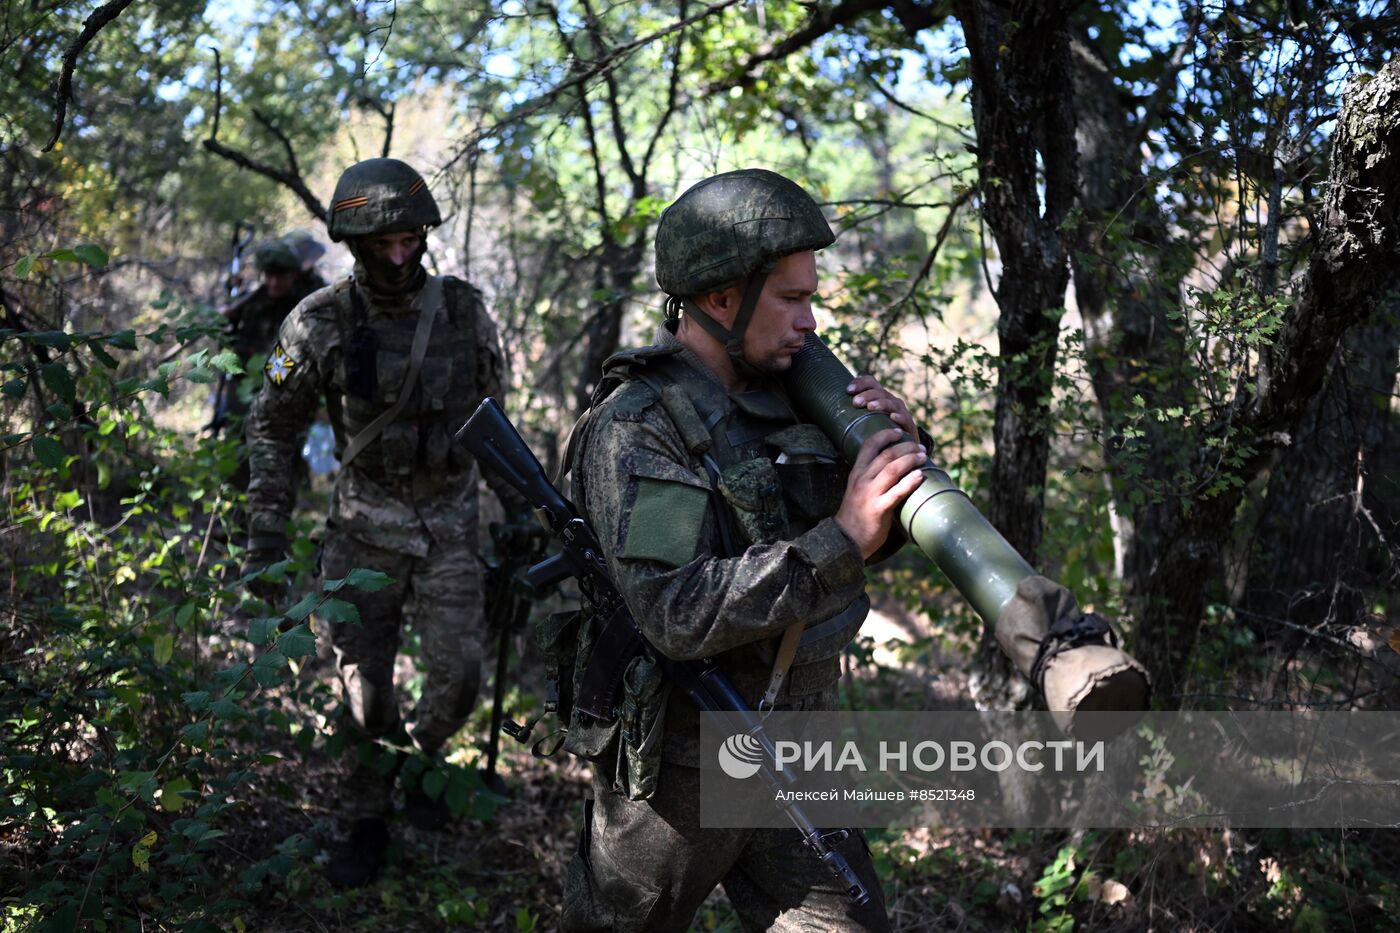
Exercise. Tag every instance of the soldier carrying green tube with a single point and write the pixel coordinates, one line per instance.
(739, 480)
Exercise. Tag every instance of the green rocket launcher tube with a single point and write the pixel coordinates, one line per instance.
(1072, 657)
(938, 516)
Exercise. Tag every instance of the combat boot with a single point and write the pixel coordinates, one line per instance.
(358, 860)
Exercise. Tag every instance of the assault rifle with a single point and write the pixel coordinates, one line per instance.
(497, 446)
(233, 290)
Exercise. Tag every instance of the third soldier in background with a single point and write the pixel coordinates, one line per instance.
(401, 359)
(253, 319)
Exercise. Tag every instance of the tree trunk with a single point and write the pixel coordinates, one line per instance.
(1352, 268)
(1308, 562)
(617, 274)
(1127, 286)
(1022, 107)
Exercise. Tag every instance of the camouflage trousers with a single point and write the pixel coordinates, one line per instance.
(647, 865)
(444, 590)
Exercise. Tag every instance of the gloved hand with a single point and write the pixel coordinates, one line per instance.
(264, 551)
(1071, 657)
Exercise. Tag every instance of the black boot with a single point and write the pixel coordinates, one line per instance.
(359, 859)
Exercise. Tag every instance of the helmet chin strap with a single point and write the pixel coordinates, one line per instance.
(733, 336)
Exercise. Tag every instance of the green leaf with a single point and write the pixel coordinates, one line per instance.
(14, 388)
(269, 667)
(459, 794)
(62, 254)
(227, 362)
(297, 642)
(60, 382)
(91, 254)
(22, 267)
(171, 799)
(261, 631)
(164, 647)
(200, 374)
(303, 608)
(196, 700)
(434, 782)
(141, 858)
(48, 451)
(371, 581)
(123, 340)
(184, 615)
(225, 708)
(103, 357)
(338, 610)
(56, 339)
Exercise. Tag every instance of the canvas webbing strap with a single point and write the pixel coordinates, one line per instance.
(430, 304)
(787, 650)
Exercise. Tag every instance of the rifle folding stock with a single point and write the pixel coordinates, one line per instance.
(497, 446)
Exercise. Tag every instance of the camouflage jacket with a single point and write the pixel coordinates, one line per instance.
(412, 485)
(654, 507)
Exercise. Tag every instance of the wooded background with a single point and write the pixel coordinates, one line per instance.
(1134, 265)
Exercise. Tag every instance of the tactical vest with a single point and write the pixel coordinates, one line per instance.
(772, 478)
(375, 362)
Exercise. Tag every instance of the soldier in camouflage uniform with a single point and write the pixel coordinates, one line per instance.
(401, 359)
(726, 521)
(255, 317)
(253, 320)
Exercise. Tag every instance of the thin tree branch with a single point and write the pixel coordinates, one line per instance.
(888, 95)
(672, 94)
(891, 312)
(912, 16)
(64, 90)
(599, 182)
(590, 24)
(613, 59)
(290, 179)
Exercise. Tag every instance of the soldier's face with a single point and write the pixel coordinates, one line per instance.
(783, 317)
(278, 283)
(395, 248)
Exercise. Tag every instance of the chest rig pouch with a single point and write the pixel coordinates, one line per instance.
(376, 362)
(774, 478)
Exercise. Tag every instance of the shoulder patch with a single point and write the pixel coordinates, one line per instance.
(279, 365)
(664, 522)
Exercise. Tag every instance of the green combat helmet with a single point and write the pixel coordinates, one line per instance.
(307, 248)
(276, 256)
(730, 228)
(380, 196)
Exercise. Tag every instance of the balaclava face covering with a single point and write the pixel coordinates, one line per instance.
(381, 277)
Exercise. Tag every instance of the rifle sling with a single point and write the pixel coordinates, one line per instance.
(429, 303)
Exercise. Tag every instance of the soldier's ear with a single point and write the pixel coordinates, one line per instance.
(721, 306)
